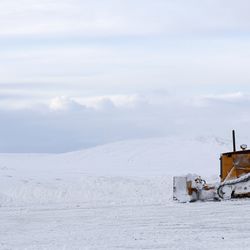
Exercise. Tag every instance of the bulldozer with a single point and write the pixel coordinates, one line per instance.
(234, 179)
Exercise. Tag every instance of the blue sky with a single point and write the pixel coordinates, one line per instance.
(74, 74)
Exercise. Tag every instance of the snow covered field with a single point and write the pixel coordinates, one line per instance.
(222, 225)
(117, 196)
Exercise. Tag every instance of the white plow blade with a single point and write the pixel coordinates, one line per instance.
(180, 189)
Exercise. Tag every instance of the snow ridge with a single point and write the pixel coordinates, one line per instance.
(126, 172)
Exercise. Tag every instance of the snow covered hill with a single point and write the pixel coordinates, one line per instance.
(128, 172)
(116, 196)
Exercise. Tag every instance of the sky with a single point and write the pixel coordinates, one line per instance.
(76, 74)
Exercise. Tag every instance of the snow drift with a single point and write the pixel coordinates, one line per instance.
(128, 172)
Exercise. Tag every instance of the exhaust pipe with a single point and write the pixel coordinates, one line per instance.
(234, 143)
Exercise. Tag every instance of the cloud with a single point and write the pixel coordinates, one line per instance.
(111, 17)
(238, 96)
(63, 103)
(88, 18)
(99, 103)
(113, 101)
(71, 123)
(124, 44)
(108, 103)
(235, 98)
(81, 73)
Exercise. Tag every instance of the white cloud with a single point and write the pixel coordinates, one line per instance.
(238, 96)
(87, 18)
(226, 98)
(70, 123)
(90, 68)
(63, 103)
(111, 17)
(98, 103)
(113, 101)
(124, 43)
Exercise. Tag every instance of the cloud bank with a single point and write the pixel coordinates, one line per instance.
(65, 124)
(77, 73)
(108, 44)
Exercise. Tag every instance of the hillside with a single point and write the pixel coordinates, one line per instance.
(116, 196)
(125, 172)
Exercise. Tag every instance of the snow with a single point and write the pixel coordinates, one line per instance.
(157, 226)
(117, 196)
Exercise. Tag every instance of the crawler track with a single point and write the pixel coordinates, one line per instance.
(226, 186)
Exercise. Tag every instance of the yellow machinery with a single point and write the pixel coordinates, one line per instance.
(234, 174)
(235, 164)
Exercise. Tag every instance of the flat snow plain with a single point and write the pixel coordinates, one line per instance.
(117, 196)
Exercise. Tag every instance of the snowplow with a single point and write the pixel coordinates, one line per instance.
(234, 179)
